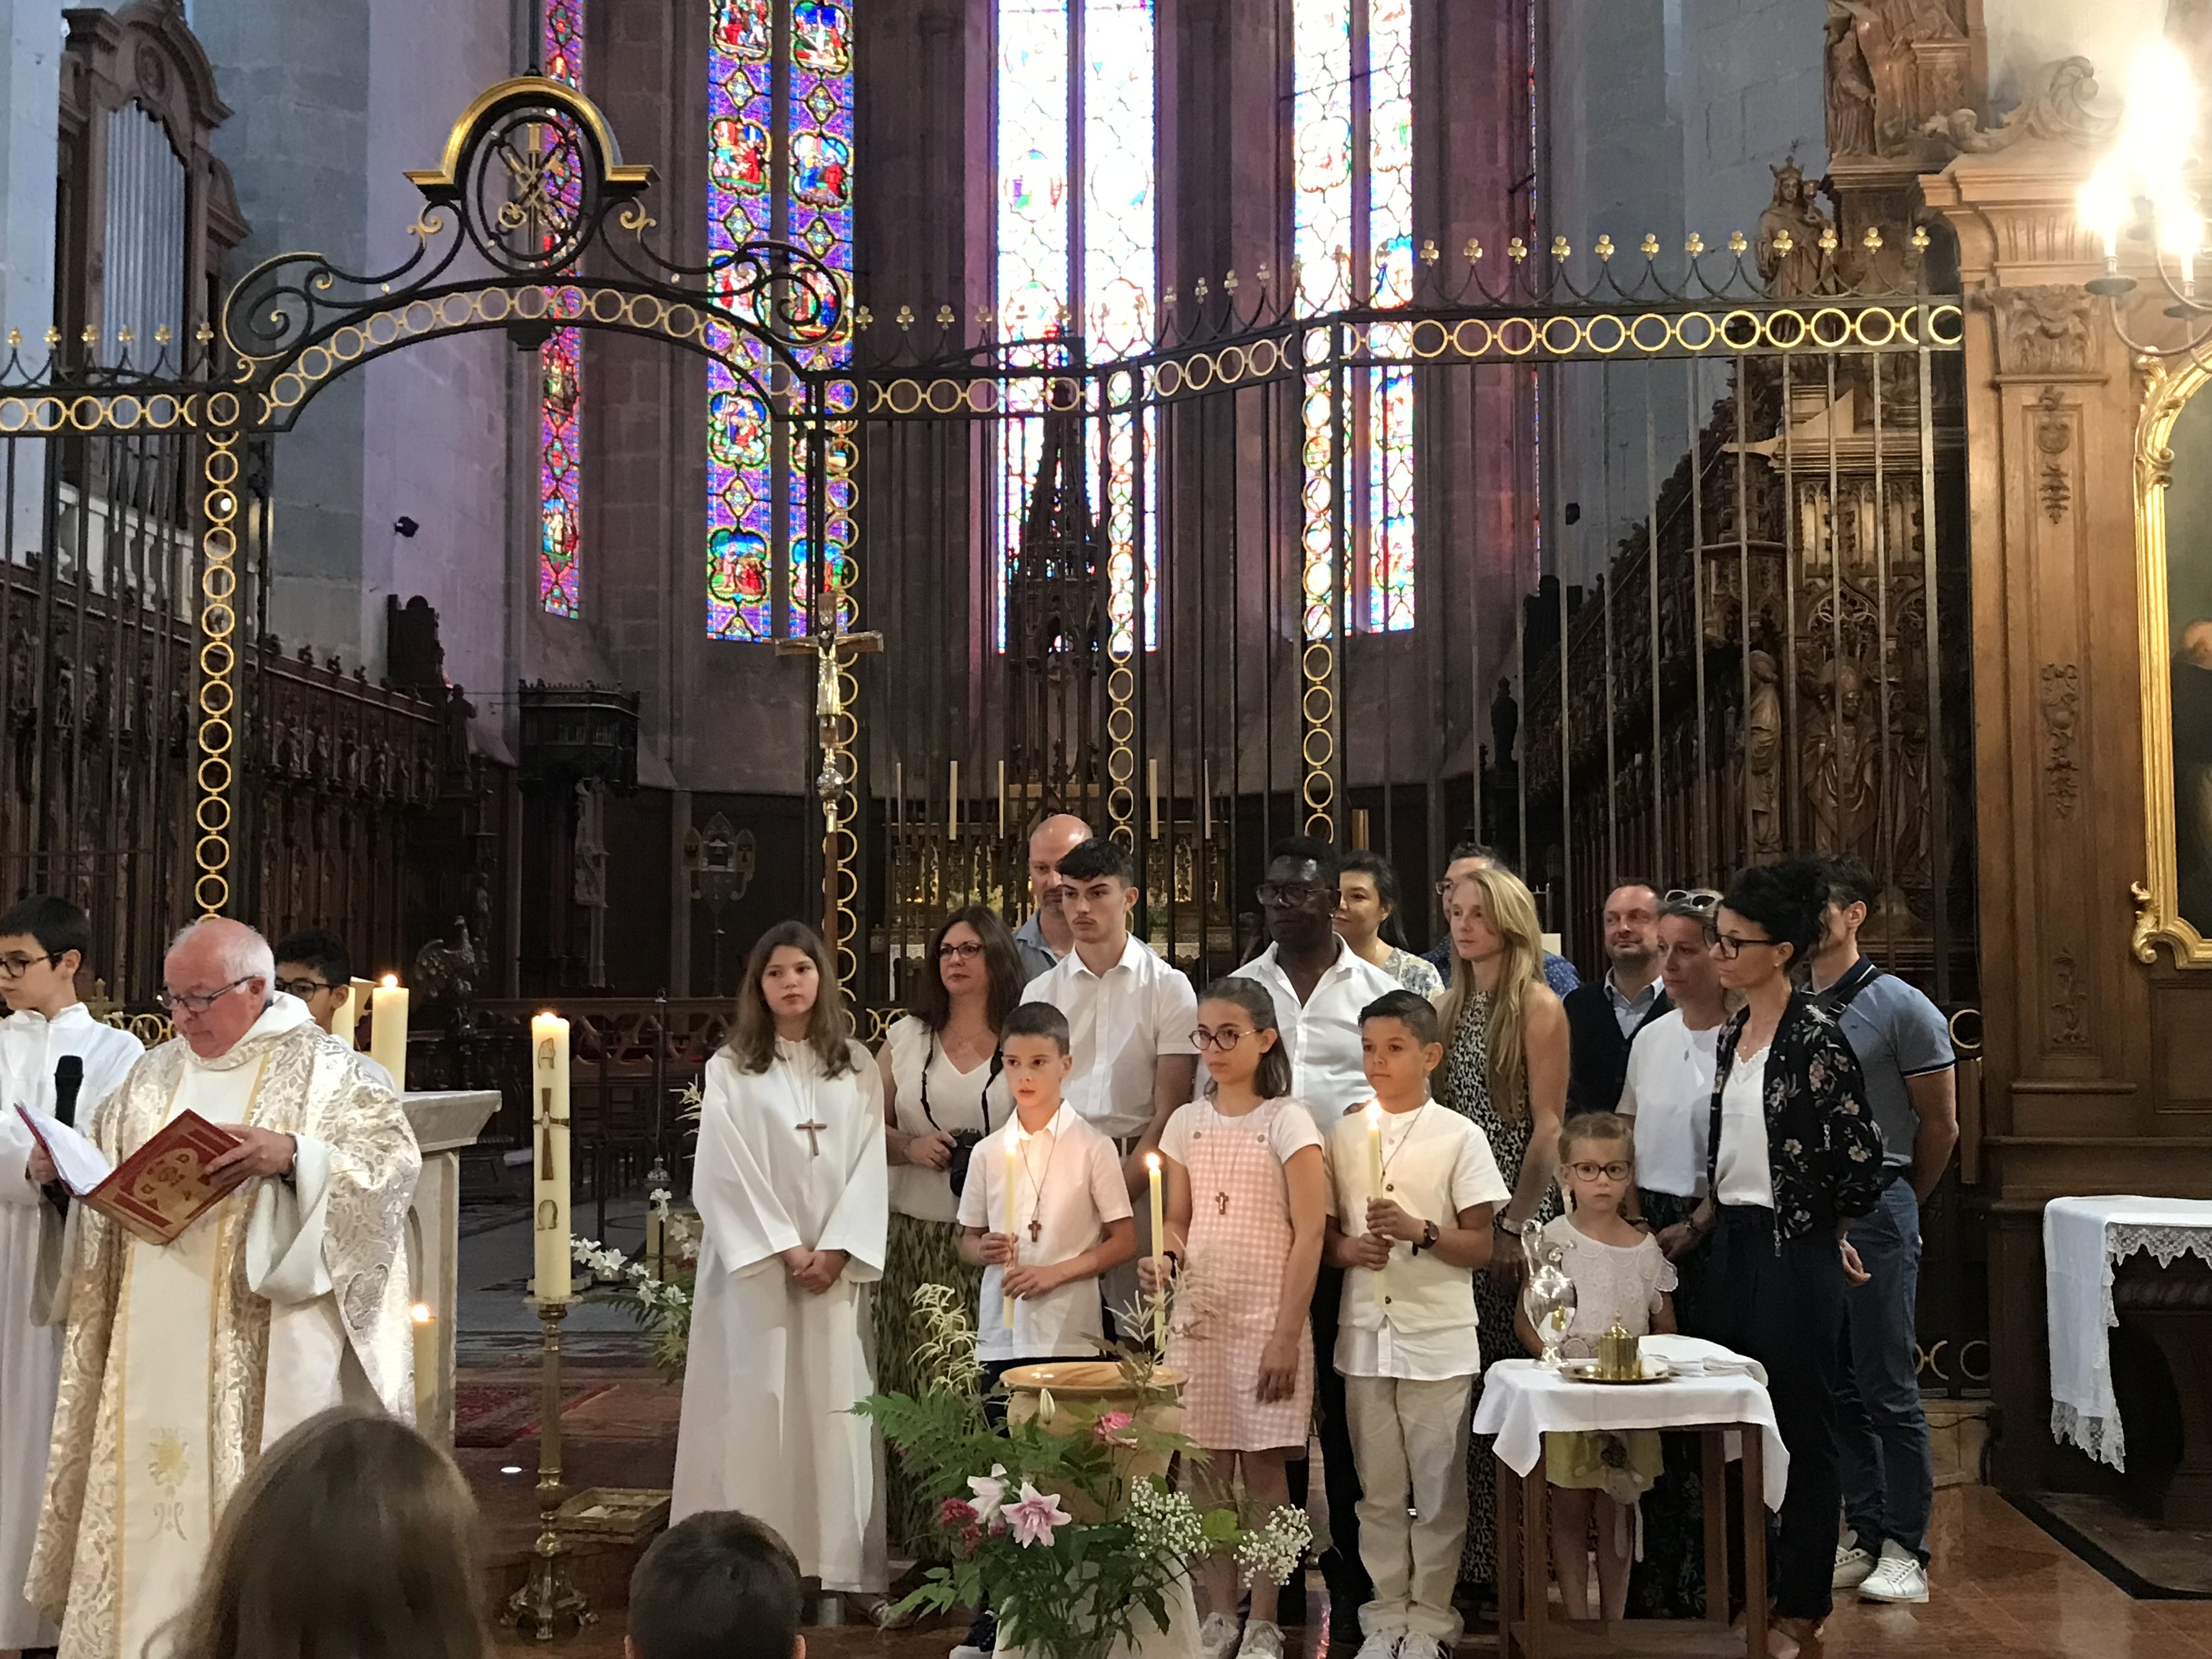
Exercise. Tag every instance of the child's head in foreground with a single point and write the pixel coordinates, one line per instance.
(1400, 1044)
(716, 1585)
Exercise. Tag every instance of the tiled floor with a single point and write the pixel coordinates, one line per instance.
(2003, 1587)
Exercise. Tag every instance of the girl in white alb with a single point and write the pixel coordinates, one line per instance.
(1247, 1205)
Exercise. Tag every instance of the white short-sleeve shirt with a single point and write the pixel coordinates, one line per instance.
(1119, 1025)
(1067, 1181)
(1322, 1035)
(1669, 1093)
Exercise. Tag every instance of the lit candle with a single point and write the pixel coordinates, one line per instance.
(1013, 1179)
(425, 1368)
(1159, 1255)
(347, 1015)
(549, 1140)
(387, 1028)
(1375, 1162)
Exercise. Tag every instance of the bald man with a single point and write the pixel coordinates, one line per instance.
(1044, 939)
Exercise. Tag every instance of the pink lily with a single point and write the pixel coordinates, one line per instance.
(1034, 1516)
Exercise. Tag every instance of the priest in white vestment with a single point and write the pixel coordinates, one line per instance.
(42, 944)
(794, 1198)
(182, 1361)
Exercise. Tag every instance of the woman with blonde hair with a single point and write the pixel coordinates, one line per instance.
(352, 1538)
(1505, 1067)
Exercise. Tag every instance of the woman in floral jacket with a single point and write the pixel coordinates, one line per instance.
(1793, 1155)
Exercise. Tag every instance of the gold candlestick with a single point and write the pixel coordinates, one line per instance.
(547, 1595)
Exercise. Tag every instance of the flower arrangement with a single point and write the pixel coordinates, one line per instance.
(657, 1294)
(1058, 1521)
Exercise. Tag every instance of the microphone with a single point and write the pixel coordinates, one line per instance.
(69, 1078)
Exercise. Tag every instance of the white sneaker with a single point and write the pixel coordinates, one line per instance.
(1897, 1576)
(1414, 1645)
(969, 1650)
(1217, 1637)
(1852, 1564)
(1261, 1641)
(1381, 1644)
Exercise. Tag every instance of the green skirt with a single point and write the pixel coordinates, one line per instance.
(919, 1253)
(1621, 1465)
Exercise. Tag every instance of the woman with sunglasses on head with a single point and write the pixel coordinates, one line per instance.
(942, 1094)
(1669, 1097)
(1793, 1155)
(1505, 1066)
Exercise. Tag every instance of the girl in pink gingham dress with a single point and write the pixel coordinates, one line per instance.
(1246, 1203)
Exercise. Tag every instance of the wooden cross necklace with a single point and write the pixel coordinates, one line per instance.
(1037, 1184)
(813, 1136)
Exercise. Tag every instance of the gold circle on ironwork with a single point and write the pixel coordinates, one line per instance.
(1574, 335)
(214, 771)
(1234, 364)
(1829, 317)
(212, 892)
(1198, 371)
(1865, 336)
(1442, 339)
(945, 395)
(1267, 357)
(218, 580)
(1167, 379)
(418, 317)
(216, 698)
(212, 814)
(1505, 337)
(1796, 319)
(906, 397)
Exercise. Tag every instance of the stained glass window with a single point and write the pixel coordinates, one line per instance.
(561, 368)
(778, 164)
(1065, 297)
(1347, 258)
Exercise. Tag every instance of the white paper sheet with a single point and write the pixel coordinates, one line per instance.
(81, 1164)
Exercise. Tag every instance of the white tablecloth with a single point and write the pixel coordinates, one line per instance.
(1522, 1402)
(2084, 1239)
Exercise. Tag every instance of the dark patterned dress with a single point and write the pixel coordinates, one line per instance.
(1465, 1087)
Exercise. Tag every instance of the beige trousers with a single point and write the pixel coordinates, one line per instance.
(1409, 1441)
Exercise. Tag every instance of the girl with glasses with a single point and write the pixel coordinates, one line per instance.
(1619, 1273)
(1793, 1155)
(1247, 1203)
(1505, 1067)
(942, 1093)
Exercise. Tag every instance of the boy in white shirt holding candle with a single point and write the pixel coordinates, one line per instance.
(1408, 1342)
(1045, 1212)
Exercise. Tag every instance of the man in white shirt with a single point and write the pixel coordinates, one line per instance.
(1130, 1017)
(1044, 939)
(1320, 984)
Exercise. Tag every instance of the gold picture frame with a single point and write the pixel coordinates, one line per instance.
(2173, 902)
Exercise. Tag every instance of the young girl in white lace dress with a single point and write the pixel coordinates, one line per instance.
(1618, 1273)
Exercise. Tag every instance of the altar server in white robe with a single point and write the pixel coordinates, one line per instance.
(794, 1201)
(182, 1361)
(43, 943)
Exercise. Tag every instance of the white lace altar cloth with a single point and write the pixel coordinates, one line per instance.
(2084, 1240)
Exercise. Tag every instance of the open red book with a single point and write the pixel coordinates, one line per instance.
(158, 1191)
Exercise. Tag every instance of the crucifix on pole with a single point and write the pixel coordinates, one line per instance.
(837, 729)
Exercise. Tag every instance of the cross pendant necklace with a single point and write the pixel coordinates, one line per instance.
(1037, 1230)
(813, 1136)
(1221, 1204)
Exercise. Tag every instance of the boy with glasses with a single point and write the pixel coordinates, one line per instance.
(43, 943)
(313, 965)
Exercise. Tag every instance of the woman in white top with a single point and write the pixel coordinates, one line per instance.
(1795, 1156)
(1668, 1092)
(942, 1093)
(1668, 1095)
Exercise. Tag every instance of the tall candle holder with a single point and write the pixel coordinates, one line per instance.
(547, 1595)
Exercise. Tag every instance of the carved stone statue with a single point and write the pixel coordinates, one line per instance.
(1789, 247)
(1762, 757)
(448, 967)
(1840, 762)
(2042, 328)
(1849, 88)
(589, 886)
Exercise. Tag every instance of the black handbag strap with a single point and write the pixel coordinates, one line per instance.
(997, 1064)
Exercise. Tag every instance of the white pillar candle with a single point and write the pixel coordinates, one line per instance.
(1159, 1255)
(426, 1369)
(387, 1028)
(549, 1141)
(347, 1015)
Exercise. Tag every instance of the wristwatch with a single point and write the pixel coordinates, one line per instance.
(1430, 1233)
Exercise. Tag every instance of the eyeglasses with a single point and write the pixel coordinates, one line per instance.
(1731, 944)
(1224, 1039)
(302, 988)
(1703, 898)
(1589, 1171)
(966, 951)
(197, 1002)
(1295, 892)
(17, 967)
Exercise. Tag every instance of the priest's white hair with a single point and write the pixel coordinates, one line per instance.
(241, 952)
